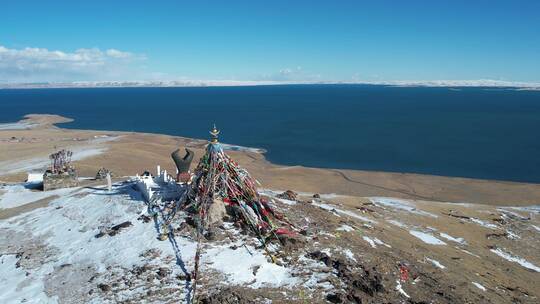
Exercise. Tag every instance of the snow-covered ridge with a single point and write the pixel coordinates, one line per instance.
(67, 233)
(217, 83)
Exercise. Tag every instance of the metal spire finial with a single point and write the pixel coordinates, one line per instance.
(214, 132)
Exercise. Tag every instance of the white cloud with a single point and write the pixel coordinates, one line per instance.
(118, 54)
(294, 74)
(40, 64)
(287, 72)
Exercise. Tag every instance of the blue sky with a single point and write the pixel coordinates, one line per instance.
(270, 40)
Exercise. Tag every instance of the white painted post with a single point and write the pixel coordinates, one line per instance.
(158, 170)
(109, 181)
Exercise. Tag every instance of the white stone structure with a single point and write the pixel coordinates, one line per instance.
(35, 178)
(162, 185)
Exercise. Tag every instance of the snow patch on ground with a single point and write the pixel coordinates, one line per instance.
(479, 286)
(17, 125)
(65, 233)
(399, 204)
(17, 195)
(396, 223)
(373, 242)
(16, 287)
(370, 241)
(468, 252)
(453, 239)
(484, 224)
(324, 233)
(73, 227)
(333, 208)
(91, 148)
(533, 208)
(242, 267)
(286, 201)
(436, 263)
(348, 253)
(512, 235)
(379, 242)
(427, 238)
(86, 153)
(400, 289)
(508, 213)
(512, 258)
(66, 230)
(318, 279)
(346, 228)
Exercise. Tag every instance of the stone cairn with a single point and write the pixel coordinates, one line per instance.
(102, 173)
(221, 188)
(61, 173)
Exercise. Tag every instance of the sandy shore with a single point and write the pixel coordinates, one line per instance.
(25, 146)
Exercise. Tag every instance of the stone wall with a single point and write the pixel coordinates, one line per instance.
(58, 181)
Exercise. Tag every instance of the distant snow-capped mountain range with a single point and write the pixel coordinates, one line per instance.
(216, 83)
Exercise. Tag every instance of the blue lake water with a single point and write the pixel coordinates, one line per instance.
(467, 132)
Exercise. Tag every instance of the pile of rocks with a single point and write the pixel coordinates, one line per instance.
(65, 179)
(288, 195)
(102, 173)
